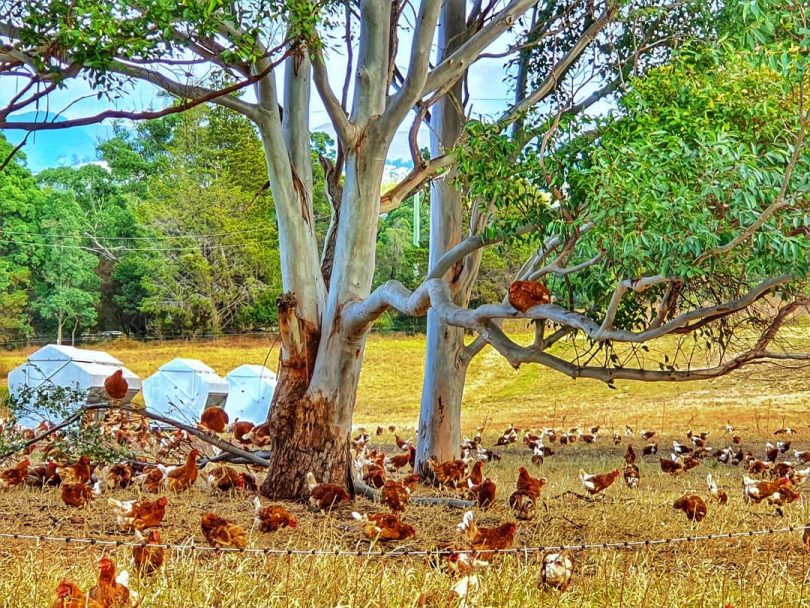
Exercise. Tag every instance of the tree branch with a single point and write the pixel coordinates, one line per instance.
(413, 181)
(623, 286)
(560, 68)
(209, 438)
(778, 203)
(346, 132)
(195, 96)
(412, 88)
(518, 355)
(435, 294)
(458, 62)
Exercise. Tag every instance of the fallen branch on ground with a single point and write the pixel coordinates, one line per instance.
(365, 490)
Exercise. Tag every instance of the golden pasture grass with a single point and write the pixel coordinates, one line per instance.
(759, 571)
(760, 396)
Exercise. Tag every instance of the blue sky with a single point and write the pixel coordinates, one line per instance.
(489, 97)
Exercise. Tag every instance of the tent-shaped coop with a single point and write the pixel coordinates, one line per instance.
(183, 388)
(251, 389)
(81, 372)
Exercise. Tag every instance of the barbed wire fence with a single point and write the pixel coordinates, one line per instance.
(404, 552)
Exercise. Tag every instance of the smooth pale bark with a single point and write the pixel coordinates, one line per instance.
(439, 431)
(321, 353)
(311, 414)
(286, 147)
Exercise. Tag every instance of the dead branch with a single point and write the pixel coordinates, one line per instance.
(365, 490)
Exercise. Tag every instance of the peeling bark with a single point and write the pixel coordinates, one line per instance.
(292, 418)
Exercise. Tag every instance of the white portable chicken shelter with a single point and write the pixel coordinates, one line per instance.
(183, 388)
(251, 388)
(57, 366)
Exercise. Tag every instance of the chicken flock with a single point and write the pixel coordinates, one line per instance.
(773, 480)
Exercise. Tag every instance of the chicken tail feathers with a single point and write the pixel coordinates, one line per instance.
(467, 522)
(711, 483)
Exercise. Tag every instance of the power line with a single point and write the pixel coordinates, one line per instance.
(168, 337)
(136, 250)
(140, 238)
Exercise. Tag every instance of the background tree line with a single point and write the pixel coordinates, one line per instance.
(173, 232)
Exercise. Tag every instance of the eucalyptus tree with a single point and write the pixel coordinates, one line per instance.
(568, 56)
(690, 169)
(257, 43)
(508, 185)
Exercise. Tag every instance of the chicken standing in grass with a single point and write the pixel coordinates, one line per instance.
(450, 473)
(395, 495)
(476, 474)
(630, 455)
(324, 496)
(651, 449)
(182, 478)
(670, 466)
(69, 595)
(222, 533)
(116, 476)
(523, 505)
(384, 526)
(483, 493)
(692, 505)
(719, 495)
(785, 495)
(151, 480)
(272, 518)
(485, 540)
(259, 435)
(757, 491)
(139, 514)
(148, 558)
(76, 473)
(596, 484)
(15, 476)
(112, 591)
(240, 429)
(558, 568)
(632, 476)
(77, 495)
(399, 461)
(42, 475)
(225, 479)
(526, 484)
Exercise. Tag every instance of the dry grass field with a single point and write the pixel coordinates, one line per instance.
(749, 572)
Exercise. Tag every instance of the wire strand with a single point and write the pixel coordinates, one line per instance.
(131, 250)
(408, 552)
(139, 238)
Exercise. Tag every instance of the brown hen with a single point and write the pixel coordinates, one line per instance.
(222, 533)
(525, 294)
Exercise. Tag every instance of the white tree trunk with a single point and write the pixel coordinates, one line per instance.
(312, 409)
(445, 372)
